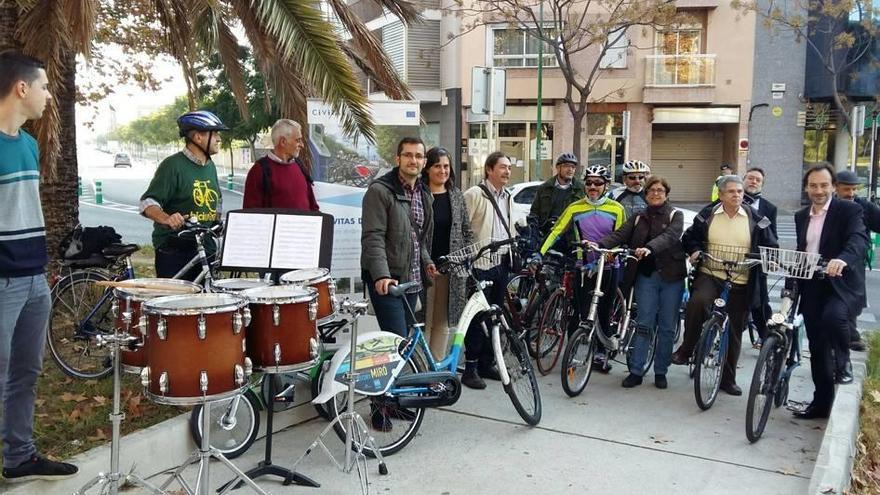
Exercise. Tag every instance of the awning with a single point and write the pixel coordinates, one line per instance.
(696, 115)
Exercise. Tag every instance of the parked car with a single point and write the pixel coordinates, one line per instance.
(121, 160)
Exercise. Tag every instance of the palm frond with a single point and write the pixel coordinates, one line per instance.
(303, 37)
(229, 55)
(403, 10)
(174, 16)
(368, 54)
(33, 24)
(81, 18)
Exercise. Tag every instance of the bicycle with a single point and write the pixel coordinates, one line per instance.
(780, 353)
(710, 355)
(388, 394)
(82, 309)
(577, 360)
(543, 283)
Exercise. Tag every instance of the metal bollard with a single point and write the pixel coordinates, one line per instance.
(99, 192)
(79, 187)
(229, 184)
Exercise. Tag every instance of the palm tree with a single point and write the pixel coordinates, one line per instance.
(304, 48)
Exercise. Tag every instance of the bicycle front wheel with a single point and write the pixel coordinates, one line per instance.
(235, 423)
(391, 426)
(765, 381)
(523, 386)
(80, 314)
(551, 332)
(631, 349)
(709, 361)
(577, 361)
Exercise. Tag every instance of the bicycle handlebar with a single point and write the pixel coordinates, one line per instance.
(750, 260)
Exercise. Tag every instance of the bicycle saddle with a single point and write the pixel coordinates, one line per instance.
(119, 250)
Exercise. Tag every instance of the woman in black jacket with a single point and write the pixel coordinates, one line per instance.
(659, 278)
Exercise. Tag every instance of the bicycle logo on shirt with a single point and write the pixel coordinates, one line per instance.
(203, 196)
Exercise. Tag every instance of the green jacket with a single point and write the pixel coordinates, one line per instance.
(386, 243)
(542, 206)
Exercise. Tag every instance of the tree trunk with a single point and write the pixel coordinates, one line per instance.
(59, 195)
(577, 138)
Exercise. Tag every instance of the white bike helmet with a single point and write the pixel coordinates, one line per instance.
(598, 171)
(636, 166)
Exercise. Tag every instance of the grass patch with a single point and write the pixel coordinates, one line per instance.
(866, 466)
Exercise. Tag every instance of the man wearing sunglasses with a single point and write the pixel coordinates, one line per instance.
(590, 219)
(632, 194)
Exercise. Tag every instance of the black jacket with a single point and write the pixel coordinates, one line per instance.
(695, 237)
(767, 209)
(843, 237)
(665, 243)
(871, 214)
(542, 206)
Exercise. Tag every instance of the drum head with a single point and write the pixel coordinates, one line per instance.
(307, 276)
(280, 294)
(194, 305)
(237, 284)
(148, 288)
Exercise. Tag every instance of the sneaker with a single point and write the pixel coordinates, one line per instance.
(39, 468)
(660, 381)
(471, 379)
(857, 345)
(631, 381)
(600, 364)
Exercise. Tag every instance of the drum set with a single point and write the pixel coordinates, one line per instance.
(192, 348)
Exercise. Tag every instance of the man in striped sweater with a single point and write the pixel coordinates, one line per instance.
(24, 292)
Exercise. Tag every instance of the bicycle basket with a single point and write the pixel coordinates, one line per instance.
(732, 254)
(788, 263)
(460, 258)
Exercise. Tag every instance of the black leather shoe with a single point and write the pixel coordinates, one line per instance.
(731, 389)
(601, 365)
(857, 345)
(680, 358)
(471, 379)
(631, 381)
(660, 381)
(490, 373)
(845, 376)
(811, 412)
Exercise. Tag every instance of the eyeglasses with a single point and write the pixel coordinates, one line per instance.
(655, 190)
(635, 177)
(596, 183)
(410, 156)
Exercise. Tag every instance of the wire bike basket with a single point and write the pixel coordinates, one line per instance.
(789, 263)
(723, 258)
(458, 260)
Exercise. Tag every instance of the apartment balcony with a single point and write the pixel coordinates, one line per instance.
(686, 78)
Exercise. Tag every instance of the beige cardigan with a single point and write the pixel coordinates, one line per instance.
(482, 214)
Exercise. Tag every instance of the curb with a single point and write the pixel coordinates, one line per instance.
(832, 472)
(152, 451)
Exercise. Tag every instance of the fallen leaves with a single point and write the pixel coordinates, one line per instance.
(69, 397)
(661, 439)
(875, 396)
(788, 471)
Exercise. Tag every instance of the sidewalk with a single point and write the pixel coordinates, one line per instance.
(608, 440)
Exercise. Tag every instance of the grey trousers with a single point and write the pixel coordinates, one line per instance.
(24, 317)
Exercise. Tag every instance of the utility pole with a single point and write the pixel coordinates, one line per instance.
(540, 88)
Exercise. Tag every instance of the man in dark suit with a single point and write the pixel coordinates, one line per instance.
(754, 185)
(848, 184)
(834, 229)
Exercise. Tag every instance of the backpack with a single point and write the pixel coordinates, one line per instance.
(84, 242)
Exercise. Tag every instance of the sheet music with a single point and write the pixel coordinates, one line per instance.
(250, 242)
(297, 241)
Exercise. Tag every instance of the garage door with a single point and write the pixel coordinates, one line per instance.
(689, 160)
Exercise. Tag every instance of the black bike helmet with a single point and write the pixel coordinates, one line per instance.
(567, 158)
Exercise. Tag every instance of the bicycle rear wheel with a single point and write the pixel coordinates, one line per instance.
(523, 386)
(765, 381)
(631, 347)
(709, 361)
(391, 426)
(234, 424)
(551, 332)
(577, 361)
(80, 314)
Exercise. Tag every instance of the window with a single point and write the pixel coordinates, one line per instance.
(605, 143)
(615, 53)
(513, 47)
(526, 196)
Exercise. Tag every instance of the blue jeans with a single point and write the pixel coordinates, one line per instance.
(24, 316)
(391, 312)
(658, 304)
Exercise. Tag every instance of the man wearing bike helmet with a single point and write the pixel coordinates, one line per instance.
(185, 186)
(590, 219)
(557, 192)
(632, 194)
